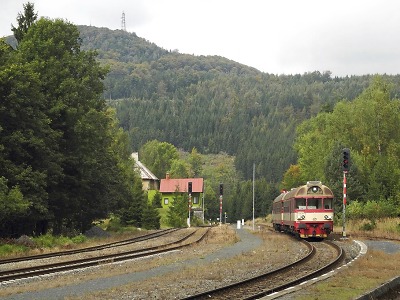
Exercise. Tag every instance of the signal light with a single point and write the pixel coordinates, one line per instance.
(190, 187)
(346, 159)
(221, 189)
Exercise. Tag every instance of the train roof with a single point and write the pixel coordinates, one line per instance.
(311, 189)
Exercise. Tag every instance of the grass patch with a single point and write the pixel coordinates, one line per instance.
(384, 228)
(50, 241)
(8, 249)
(361, 277)
(38, 244)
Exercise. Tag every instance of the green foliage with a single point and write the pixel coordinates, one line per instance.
(370, 127)
(115, 225)
(12, 202)
(158, 156)
(178, 169)
(178, 211)
(25, 21)
(240, 203)
(372, 209)
(292, 178)
(52, 241)
(61, 149)
(7, 249)
(79, 239)
(132, 212)
(151, 218)
(156, 202)
(195, 163)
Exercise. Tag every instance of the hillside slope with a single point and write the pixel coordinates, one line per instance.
(210, 102)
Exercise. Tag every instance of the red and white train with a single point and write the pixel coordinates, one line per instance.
(306, 211)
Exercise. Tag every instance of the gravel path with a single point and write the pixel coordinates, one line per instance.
(385, 246)
(246, 243)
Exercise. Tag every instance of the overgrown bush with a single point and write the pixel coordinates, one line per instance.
(115, 225)
(368, 226)
(79, 239)
(372, 209)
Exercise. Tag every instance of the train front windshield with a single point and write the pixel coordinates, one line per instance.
(314, 203)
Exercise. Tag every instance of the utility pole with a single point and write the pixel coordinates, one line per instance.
(254, 172)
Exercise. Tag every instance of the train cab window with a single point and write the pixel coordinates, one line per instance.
(301, 203)
(314, 203)
(328, 203)
(286, 206)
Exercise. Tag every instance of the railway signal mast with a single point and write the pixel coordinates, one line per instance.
(190, 200)
(221, 192)
(346, 167)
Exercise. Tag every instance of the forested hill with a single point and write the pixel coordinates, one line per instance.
(213, 103)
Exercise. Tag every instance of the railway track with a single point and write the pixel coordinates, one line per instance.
(89, 249)
(321, 258)
(96, 259)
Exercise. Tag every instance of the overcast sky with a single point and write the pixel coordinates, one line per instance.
(346, 37)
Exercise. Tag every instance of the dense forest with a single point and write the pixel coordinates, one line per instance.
(77, 100)
(212, 103)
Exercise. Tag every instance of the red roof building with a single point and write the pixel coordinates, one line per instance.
(172, 185)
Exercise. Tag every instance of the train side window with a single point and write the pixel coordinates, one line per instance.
(328, 203)
(301, 203)
(286, 206)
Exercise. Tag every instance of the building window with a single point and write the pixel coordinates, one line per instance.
(166, 201)
(196, 200)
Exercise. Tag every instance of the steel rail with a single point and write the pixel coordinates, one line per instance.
(252, 289)
(95, 261)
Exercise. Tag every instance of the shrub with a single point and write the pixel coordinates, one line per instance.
(79, 239)
(368, 226)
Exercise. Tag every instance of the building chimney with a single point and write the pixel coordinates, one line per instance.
(167, 176)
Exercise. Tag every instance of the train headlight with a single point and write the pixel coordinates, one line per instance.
(301, 217)
(326, 217)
